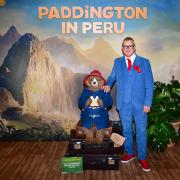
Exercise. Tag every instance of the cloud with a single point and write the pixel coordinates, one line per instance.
(10, 17)
(166, 13)
(19, 18)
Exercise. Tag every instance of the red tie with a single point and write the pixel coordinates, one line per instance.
(129, 64)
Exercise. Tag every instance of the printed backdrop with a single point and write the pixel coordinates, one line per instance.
(42, 68)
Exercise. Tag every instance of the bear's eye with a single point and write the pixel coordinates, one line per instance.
(91, 78)
(99, 80)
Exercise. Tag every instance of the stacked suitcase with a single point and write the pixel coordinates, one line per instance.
(96, 156)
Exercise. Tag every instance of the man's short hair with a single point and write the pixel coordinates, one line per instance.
(129, 39)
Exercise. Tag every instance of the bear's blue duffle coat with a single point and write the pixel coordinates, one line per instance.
(95, 115)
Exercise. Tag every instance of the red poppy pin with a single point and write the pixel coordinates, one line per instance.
(138, 69)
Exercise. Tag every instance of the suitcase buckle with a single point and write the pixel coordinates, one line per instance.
(111, 161)
(77, 145)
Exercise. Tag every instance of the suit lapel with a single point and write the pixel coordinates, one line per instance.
(125, 69)
(137, 62)
(134, 64)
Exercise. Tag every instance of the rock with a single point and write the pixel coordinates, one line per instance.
(6, 100)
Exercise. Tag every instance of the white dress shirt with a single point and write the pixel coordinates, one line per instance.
(132, 58)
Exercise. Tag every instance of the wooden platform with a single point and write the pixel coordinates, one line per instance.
(40, 161)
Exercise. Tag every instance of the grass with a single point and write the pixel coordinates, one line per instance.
(18, 124)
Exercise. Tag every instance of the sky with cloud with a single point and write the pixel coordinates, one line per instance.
(157, 38)
(25, 14)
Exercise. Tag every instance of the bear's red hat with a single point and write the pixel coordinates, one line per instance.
(95, 73)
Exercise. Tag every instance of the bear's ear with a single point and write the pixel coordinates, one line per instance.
(86, 82)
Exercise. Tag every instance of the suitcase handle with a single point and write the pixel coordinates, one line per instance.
(97, 146)
(91, 163)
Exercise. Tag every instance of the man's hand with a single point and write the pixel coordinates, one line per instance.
(106, 88)
(146, 109)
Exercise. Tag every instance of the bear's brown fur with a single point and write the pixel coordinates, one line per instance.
(92, 135)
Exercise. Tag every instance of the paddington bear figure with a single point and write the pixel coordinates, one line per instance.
(94, 104)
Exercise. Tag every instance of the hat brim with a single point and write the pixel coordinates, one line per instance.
(88, 76)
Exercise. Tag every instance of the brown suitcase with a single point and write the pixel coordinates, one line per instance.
(99, 161)
(79, 146)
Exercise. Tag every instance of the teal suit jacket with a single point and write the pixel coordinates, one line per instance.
(134, 86)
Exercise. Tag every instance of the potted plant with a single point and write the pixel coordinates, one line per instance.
(173, 108)
(160, 133)
(165, 109)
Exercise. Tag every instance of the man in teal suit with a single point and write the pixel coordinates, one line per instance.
(135, 83)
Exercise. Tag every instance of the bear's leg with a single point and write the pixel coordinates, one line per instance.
(108, 132)
(88, 135)
(99, 136)
(79, 131)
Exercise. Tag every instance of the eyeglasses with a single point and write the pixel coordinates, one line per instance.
(127, 47)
